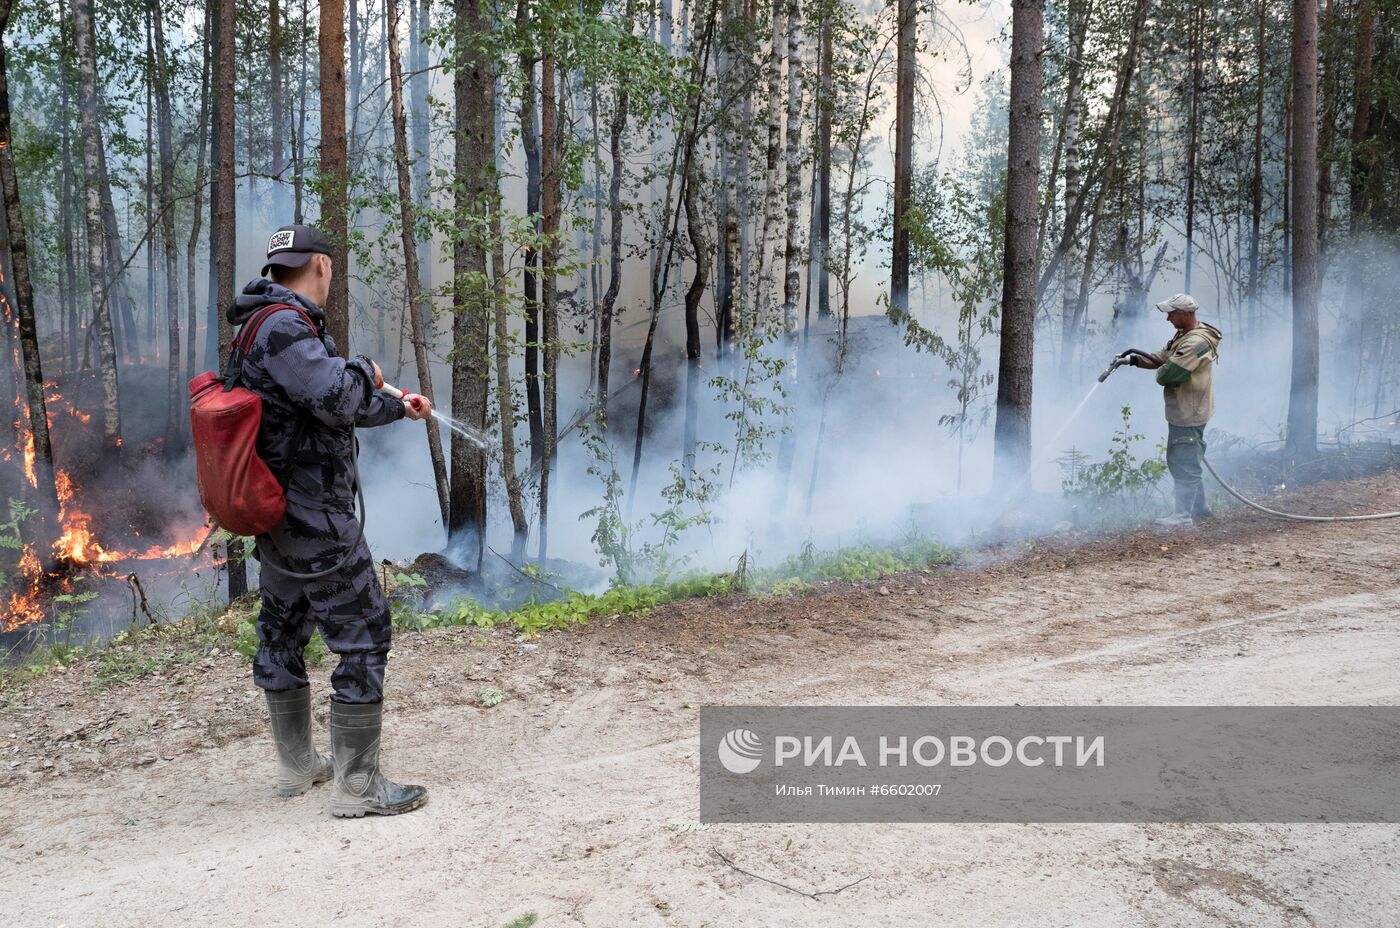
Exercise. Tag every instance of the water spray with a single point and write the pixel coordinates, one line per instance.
(460, 428)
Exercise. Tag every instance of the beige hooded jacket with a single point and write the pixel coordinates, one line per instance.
(1184, 370)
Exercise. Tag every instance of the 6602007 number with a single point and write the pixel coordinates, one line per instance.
(907, 789)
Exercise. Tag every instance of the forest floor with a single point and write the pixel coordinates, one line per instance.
(150, 801)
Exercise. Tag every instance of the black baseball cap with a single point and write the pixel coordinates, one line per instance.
(293, 246)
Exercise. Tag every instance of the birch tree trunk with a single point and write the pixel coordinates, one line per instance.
(1302, 396)
(93, 170)
(1013, 420)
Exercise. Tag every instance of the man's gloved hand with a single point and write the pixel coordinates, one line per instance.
(1131, 356)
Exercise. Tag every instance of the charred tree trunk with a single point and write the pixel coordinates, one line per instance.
(695, 224)
(475, 165)
(410, 258)
(1302, 397)
(93, 175)
(174, 426)
(1013, 420)
(906, 67)
(333, 179)
(24, 307)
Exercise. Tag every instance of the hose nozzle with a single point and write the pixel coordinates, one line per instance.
(1117, 363)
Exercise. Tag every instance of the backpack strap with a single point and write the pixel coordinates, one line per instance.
(248, 333)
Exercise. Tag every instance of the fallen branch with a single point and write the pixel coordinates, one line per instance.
(134, 582)
(801, 892)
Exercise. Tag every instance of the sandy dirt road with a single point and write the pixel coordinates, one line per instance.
(150, 803)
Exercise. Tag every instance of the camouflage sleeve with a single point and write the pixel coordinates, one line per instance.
(380, 410)
(333, 390)
(1184, 358)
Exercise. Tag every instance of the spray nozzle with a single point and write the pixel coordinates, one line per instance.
(1118, 362)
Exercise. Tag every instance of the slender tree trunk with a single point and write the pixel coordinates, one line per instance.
(824, 114)
(792, 277)
(93, 170)
(299, 136)
(1013, 421)
(505, 395)
(906, 69)
(24, 307)
(1197, 14)
(70, 274)
(1302, 397)
(477, 193)
(410, 258)
(333, 179)
(617, 128)
(197, 216)
(1362, 158)
(1330, 83)
(530, 142)
(278, 101)
(1070, 141)
(772, 204)
(551, 149)
(174, 427)
(419, 135)
(695, 224)
(1256, 191)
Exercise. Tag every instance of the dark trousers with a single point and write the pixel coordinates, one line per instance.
(1186, 445)
(348, 607)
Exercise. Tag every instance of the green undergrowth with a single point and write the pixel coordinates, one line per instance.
(210, 626)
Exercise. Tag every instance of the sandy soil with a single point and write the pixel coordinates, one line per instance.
(151, 802)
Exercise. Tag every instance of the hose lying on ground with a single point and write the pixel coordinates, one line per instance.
(1290, 515)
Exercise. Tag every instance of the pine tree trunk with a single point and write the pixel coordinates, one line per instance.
(416, 302)
(792, 276)
(278, 101)
(70, 273)
(906, 67)
(505, 395)
(1197, 13)
(477, 193)
(202, 147)
(93, 175)
(1361, 158)
(551, 146)
(24, 307)
(1302, 397)
(1256, 189)
(419, 135)
(530, 142)
(1013, 420)
(335, 222)
(174, 426)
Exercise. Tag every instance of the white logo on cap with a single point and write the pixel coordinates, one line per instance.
(281, 240)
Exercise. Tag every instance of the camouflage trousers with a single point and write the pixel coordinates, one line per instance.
(1186, 445)
(347, 606)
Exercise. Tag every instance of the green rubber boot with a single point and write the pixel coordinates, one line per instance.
(300, 766)
(360, 789)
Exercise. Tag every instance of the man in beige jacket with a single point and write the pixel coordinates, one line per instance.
(1184, 370)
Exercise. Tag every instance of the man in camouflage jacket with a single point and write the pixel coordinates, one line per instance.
(1184, 369)
(312, 401)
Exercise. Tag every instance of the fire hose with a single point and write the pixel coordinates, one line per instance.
(409, 399)
(1122, 359)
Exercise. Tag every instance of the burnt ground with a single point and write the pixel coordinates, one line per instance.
(143, 801)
